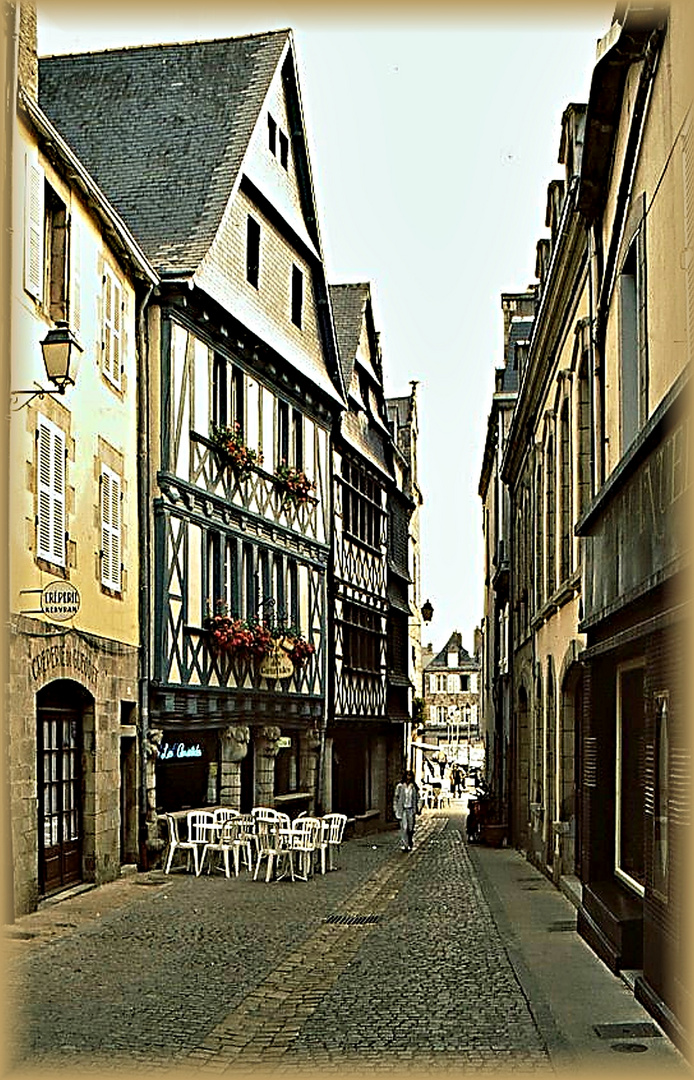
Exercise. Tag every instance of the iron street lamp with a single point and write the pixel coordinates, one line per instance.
(427, 611)
(59, 349)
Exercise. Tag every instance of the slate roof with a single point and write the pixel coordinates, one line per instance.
(164, 129)
(348, 303)
(455, 642)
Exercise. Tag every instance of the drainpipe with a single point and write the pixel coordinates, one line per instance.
(12, 62)
(144, 587)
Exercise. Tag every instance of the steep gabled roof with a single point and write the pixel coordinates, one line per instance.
(454, 644)
(164, 130)
(349, 304)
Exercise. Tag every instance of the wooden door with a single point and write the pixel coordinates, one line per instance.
(60, 797)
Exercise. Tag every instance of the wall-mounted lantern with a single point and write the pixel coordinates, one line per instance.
(427, 611)
(60, 350)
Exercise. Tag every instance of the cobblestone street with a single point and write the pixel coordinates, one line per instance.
(211, 974)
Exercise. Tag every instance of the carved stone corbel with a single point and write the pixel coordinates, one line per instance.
(235, 739)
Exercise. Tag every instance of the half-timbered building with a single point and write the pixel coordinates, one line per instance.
(365, 746)
(243, 386)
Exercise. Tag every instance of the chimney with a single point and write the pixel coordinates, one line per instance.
(28, 63)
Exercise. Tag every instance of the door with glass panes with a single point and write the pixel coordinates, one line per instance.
(60, 794)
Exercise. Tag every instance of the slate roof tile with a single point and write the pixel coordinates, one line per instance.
(163, 129)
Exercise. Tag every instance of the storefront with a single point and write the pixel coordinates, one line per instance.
(635, 744)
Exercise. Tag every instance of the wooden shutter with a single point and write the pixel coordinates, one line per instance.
(112, 328)
(33, 229)
(75, 282)
(50, 519)
(110, 529)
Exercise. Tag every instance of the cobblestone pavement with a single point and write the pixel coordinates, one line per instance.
(216, 975)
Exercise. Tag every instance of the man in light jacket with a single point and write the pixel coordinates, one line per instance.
(406, 805)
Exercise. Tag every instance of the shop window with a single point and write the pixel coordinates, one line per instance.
(630, 784)
(661, 837)
(287, 771)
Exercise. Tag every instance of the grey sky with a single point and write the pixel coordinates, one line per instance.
(432, 143)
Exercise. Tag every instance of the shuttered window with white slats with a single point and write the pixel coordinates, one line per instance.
(112, 331)
(50, 487)
(110, 529)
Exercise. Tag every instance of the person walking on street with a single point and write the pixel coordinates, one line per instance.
(406, 805)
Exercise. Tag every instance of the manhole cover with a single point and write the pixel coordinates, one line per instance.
(629, 1048)
(628, 1030)
(352, 920)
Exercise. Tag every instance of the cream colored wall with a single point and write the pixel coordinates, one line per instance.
(658, 174)
(100, 426)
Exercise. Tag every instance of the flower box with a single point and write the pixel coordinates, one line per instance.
(229, 444)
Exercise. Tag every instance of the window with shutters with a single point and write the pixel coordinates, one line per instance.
(633, 342)
(110, 529)
(112, 329)
(48, 250)
(50, 488)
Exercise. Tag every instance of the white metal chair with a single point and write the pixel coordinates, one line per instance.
(176, 844)
(305, 838)
(200, 832)
(243, 841)
(336, 824)
(221, 842)
(272, 844)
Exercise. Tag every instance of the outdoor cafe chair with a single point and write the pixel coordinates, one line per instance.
(305, 838)
(201, 827)
(243, 841)
(336, 829)
(272, 845)
(177, 844)
(220, 842)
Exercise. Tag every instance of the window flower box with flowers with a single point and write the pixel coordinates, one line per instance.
(229, 444)
(293, 485)
(250, 639)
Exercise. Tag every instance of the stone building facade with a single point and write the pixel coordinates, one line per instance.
(73, 758)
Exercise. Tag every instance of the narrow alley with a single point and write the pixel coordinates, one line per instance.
(451, 957)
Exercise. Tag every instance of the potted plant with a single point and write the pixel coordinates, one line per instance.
(293, 484)
(243, 639)
(229, 444)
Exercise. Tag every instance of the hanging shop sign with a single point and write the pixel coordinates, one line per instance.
(277, 664)
(61, 600)
(179, 751)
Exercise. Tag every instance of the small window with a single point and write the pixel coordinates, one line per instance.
(284, 150)
(50, 488)
(252, 251)
(271, 134)
(282, 433)
(298, 439)
(110, 530)
(297, 295)
(112, 328)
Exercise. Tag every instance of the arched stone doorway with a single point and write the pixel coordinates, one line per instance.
(65, 724)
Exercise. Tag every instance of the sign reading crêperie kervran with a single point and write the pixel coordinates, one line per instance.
(60, 600)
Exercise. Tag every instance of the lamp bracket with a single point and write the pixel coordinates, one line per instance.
(39, 392)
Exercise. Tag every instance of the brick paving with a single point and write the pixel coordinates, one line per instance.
(215, 975)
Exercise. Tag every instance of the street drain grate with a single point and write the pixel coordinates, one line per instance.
(636, 1030)
(352, 920)
(562, 926)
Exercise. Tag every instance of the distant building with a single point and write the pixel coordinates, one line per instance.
(450, 728)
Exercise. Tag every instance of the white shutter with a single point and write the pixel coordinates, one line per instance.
(50, 486)
(33, 229)
(110, 529)
(75, 283)
(112, 328)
